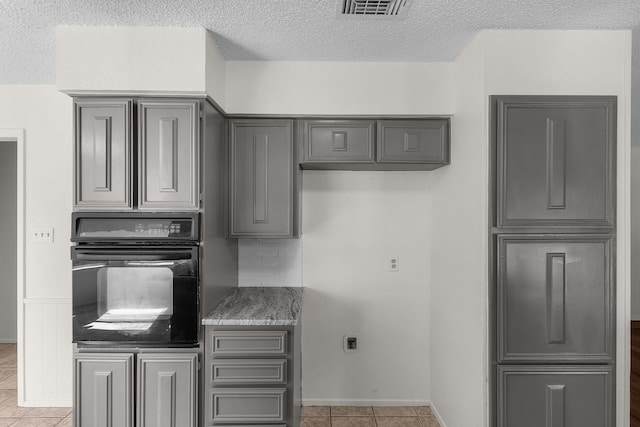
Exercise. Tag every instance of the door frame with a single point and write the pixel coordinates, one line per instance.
(18, 136)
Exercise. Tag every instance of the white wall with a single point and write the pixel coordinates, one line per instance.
(134, 60)
(46, 116)
(8, 239)
(459, 255)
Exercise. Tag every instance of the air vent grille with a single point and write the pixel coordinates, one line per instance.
(374, 8)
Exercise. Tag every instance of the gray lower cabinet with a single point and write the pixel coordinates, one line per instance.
(264, 179)
(165, 140)
(399, 144)
(163, 391)
(555, 299)
(555, 160)
(252, 376)
(103, 390)
(556, 396)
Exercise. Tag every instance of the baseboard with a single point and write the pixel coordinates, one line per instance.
(8, 341)
(435, 412)
(47, 404)
(364, 402)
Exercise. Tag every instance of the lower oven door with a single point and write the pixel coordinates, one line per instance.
(144, 296)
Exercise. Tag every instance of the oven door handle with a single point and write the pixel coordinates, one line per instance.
(131, 256)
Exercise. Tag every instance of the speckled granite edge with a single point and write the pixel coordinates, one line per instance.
(258, 307)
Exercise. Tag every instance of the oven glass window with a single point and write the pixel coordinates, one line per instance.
(134, 294)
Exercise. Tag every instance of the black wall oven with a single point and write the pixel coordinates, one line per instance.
(135, 279)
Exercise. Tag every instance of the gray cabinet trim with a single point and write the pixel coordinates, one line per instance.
(102, 161)
(167, 389)
(554, 285)
(248, 371)
(248, 405)
(168, 154)
(109, 401)
(556, 159)
(248, 343)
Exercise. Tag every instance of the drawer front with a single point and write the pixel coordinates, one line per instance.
(248, 343)
(336, 141)
(247, 371)
(534, 396)
(247, 405)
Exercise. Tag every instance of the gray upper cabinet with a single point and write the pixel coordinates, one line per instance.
(168, 155)
(413, 141)
(555, 161)
(102, 161)
(264, 177)
(338, 141)
(399, 144)
(166, 175)
(555, 300)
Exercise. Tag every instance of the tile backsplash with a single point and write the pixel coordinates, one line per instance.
(270, 262)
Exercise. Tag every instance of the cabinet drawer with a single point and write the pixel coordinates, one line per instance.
(337, 141)
(244, 371)
(248, 343)
(413, 141)
(533, 396)
(247, 405)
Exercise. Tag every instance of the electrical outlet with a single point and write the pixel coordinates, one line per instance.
(42, 234)
(394, 263)
(350, 343)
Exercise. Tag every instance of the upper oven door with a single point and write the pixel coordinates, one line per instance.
(140, 295)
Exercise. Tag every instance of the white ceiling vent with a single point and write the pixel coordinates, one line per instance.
(373, 8)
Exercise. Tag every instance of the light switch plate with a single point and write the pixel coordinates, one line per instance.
(42, 234)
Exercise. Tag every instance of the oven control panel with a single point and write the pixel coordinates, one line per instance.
(128, 226)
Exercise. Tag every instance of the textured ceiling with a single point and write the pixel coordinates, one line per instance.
(295, 30)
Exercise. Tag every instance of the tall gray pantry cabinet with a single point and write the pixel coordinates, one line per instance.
(553, 270)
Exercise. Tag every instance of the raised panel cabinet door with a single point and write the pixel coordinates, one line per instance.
(555, 396)
(413, 141)
(168, 154)
(555, 298)
(103, 390)
(103, 154)
(263, 172)
(555, 161)
(167, 390)
(338, 141)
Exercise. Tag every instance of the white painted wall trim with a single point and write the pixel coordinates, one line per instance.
(18, 135)
(364, 402)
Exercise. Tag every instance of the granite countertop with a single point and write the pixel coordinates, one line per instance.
(258, 306)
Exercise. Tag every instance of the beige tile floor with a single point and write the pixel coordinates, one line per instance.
(15, 416)
(368, 416)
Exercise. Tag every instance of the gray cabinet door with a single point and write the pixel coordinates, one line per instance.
(555, 396)
(168, 154)
(413, 141)
(338, 141)
(555, 161)
(167, 390)
(263, 179)
(247, 405)
(555, 298)
(103, 390)
(103, 154)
